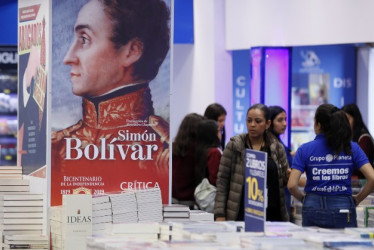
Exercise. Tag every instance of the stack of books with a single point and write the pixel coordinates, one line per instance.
(361, 216)
(10, 172)
(124, 207)
(166, 229)
(21, 214)
(25, 242)
(149, 205)
(269, 242)
(55, 216)
(114, 243)
(14, 186)
(101, 213)
(370, 216)
(176, 212)
(199, 215)
(297, 211)
(71, 223)
(145, 231)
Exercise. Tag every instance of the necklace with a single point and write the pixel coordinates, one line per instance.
(251, 146)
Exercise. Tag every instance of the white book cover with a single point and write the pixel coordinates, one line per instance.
(22, 221)
(20, 203)
(13, 192)
(21, 227)
(11, 176)
(22, 232)
(56, 240)
(29, 242)
(11, 171)
(102, 227)
(125, 197)
(22, 246)
(77, 214)
(101, 206)
(100, 199)
(20, 215)
(10, 167)
(26, 237)
(57, 227)
(197, 215)
(14, 188)
(166, 219)
(129, 228)
(100, 213)
(126, 220)
(21, 209)
(102, 219)
(125, 209)
(127, 205)
(150, 207)
(177, 214)
(128, 214)
(55, 213)
(175, 207)
(21, 197)
(14, 182)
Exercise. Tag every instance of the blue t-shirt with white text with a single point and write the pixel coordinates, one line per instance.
(327, 174)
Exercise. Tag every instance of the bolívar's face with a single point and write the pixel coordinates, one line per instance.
(280, 123)
(95, 63)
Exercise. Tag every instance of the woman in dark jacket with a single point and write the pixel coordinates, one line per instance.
(229, 204)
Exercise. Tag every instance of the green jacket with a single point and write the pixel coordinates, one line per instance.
(231, 177)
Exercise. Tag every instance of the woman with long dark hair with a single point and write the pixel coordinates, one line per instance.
(278, 126)
(328, 161)
(229, 203)
(217, 112)
(208, 153)
(184, 152)
(361, 134)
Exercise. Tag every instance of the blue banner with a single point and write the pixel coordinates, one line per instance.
(331, 69)
(241, 92)
(255, 191)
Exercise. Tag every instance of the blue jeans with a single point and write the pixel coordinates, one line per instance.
(329, 211)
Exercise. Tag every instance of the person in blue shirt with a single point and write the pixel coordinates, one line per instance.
(329, 161)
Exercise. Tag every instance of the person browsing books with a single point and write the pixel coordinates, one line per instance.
(184, 159)
(328, 161)
(229, 203)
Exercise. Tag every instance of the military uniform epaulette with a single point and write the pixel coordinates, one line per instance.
(59, 135)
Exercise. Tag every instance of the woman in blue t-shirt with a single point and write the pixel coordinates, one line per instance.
(328, 162)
